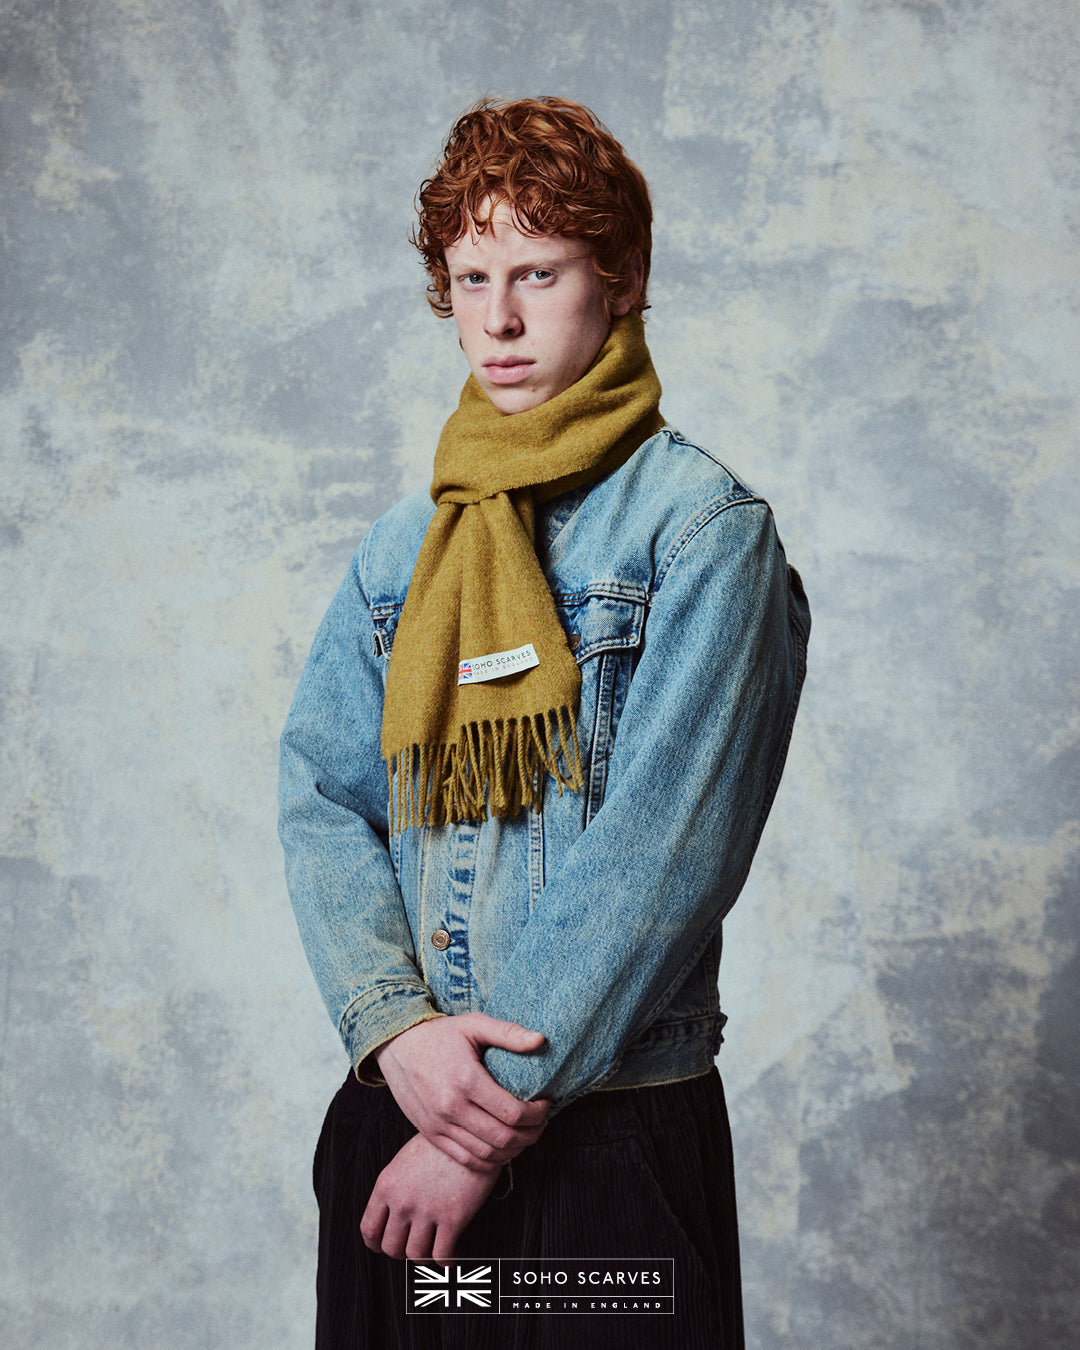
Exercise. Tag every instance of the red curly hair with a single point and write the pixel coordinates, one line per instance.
(558, 169)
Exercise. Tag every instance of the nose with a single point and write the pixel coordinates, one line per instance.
(501, 317)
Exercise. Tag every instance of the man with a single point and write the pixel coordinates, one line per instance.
(525, 773)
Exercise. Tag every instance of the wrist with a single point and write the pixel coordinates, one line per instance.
(374, 1058)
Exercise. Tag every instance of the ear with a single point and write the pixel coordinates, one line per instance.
(633, 275)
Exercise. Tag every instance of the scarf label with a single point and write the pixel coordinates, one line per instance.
(475, 669)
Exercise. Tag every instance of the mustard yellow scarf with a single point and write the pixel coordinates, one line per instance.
(456, 751)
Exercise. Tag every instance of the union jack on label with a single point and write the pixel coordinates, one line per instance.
(451, 1287)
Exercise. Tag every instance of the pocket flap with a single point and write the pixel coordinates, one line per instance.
(602, 618)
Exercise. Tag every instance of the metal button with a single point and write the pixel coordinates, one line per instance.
(440, 939)
(575, 641)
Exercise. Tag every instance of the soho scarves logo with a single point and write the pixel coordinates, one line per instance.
(542, 1286)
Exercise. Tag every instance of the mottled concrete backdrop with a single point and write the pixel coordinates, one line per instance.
(217, 368)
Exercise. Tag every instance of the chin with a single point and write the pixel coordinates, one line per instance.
(515, 401)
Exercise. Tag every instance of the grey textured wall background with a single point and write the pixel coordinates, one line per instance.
(216, 369)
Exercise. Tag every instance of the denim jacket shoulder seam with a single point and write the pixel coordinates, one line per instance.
(741, 496)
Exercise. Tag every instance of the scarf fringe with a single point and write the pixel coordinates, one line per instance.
(492, 768)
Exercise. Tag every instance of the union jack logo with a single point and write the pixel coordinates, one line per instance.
(451, 1287)
(464, 671)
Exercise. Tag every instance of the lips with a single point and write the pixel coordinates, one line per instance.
(507, 369)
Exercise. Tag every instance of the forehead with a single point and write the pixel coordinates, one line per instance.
(500, 237)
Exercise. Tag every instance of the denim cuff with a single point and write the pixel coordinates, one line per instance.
(377, 1016)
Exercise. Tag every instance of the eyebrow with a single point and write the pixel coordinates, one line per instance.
(462, 269)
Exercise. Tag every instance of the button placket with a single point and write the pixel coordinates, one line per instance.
(450, 938)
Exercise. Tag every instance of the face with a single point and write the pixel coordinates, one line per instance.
(530, 311)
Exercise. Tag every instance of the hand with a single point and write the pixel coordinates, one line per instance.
(422, 1202)
(438, 1078)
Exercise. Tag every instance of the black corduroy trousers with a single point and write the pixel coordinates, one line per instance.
(636, 1172)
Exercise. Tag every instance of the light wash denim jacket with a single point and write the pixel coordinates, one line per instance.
(596, 920)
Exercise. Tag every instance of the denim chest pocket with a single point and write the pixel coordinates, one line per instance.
(604, 626)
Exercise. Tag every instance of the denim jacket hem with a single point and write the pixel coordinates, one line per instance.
(669, 1052)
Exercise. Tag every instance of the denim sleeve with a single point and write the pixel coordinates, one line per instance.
(332, 823)
(694, 768)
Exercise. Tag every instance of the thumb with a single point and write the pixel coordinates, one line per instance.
(508, 1035)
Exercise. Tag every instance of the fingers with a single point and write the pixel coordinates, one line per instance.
(481, 1141)
(418, 1239)
(373, 1223)
(446, 1236)
(504, 1106)
(484, 1137)
(468, 1149)
(420, 1242)
(396, 1228)
(506, 1035)
(484, 1108)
